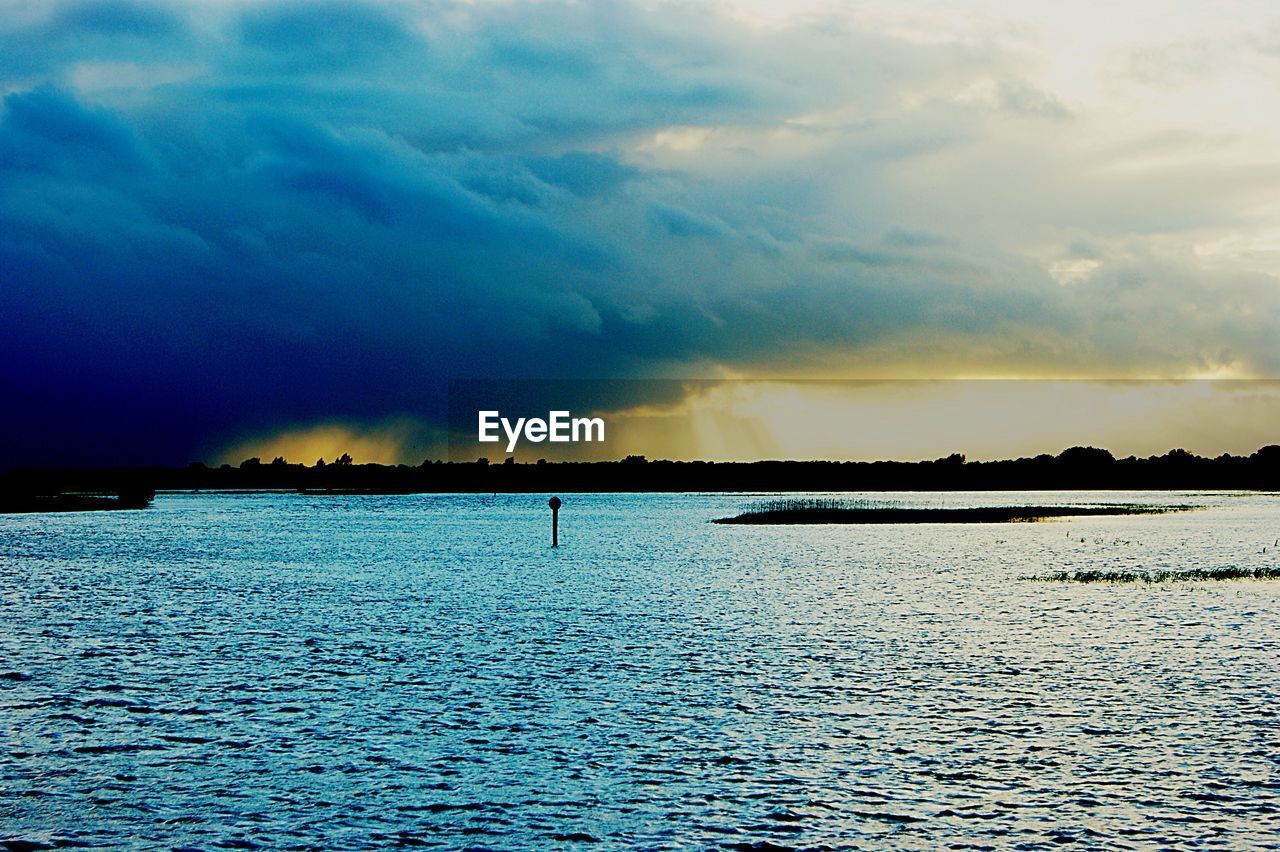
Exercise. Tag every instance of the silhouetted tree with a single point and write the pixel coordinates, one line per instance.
(253, 462)
(1268, 456)
(1085, 456)
(343, 460)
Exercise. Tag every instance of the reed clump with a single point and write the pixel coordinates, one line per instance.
(818, 504)
(1266, 572)
(826, 510)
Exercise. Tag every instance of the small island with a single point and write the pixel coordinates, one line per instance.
(26, 503)
(824, 511)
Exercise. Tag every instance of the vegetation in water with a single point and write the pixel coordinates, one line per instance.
(1191, 574)
(837, 511)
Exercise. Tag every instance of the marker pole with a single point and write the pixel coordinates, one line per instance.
(554, 503)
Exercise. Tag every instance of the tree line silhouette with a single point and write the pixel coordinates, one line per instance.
(1073, 469)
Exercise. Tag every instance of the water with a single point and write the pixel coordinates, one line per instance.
(285, 670)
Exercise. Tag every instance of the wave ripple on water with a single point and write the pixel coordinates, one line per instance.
(236, 671)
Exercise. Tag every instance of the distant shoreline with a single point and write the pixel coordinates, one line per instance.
(1076, 469)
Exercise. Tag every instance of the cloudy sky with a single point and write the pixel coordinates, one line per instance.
(222, 223)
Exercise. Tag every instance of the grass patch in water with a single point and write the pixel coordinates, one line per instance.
(836, 511)
(1191, 574)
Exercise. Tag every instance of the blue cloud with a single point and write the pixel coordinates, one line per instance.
(48, 130)
(582, 172)
(114, 19)
(324, 36)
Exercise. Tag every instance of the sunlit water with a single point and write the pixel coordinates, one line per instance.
(286, 670)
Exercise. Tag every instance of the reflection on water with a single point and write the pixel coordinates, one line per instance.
(287, 670)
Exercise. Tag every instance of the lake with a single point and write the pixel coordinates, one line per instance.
(286, 670)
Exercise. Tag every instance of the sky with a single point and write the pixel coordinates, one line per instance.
(255, 227)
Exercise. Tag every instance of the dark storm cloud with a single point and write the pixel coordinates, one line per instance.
(216, 220)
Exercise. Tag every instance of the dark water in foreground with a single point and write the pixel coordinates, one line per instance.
(282, 670)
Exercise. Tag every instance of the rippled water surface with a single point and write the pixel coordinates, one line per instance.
(288, 670)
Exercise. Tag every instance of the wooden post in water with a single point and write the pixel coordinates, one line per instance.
(554, 503)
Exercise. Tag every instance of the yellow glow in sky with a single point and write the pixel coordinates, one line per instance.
(859, 421)
(746, 421)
